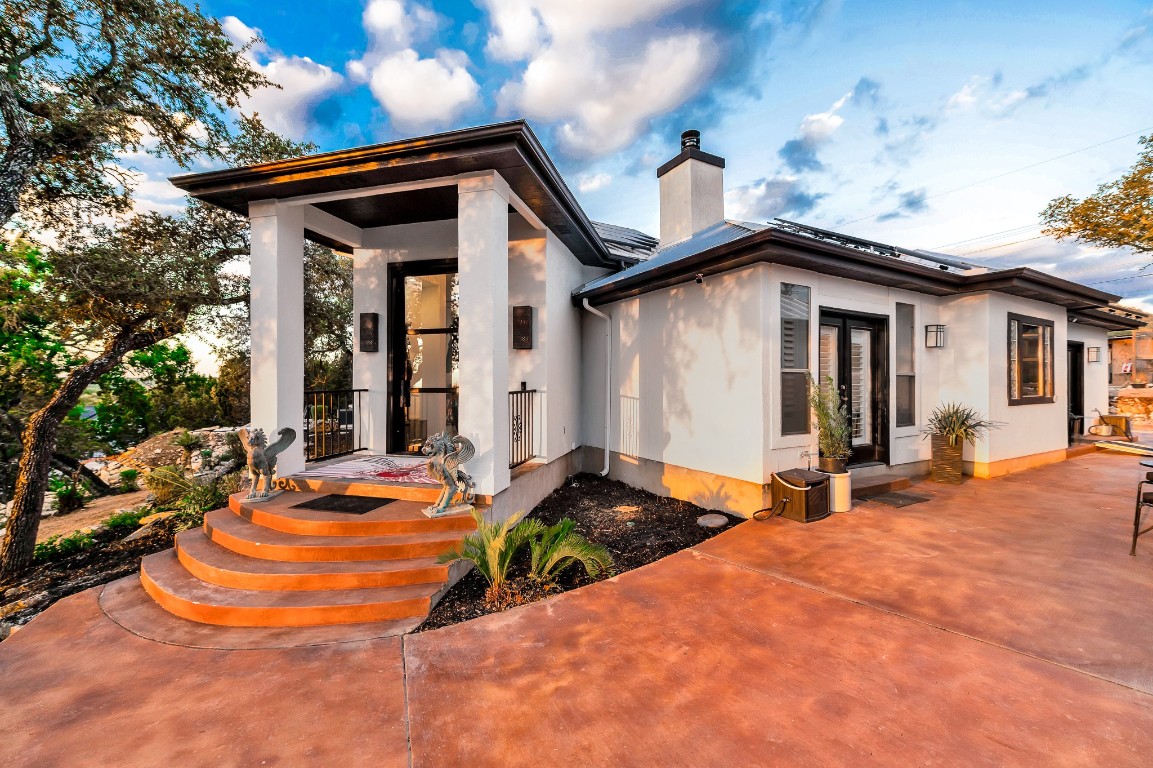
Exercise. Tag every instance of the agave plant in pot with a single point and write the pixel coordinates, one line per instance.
(950, 426)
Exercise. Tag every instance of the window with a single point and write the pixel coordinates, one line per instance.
(1030, 360)
(794, 359)
(906, 376)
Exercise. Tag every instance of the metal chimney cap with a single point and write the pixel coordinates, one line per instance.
(691, 140)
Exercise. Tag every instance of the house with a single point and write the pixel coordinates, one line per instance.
(487, 303)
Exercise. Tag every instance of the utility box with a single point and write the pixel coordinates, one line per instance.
(806, 494)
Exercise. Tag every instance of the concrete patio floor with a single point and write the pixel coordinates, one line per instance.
(1001, 623)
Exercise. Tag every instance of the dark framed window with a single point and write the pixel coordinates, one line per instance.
(796, 307)
(1030, 360)
(904, 336)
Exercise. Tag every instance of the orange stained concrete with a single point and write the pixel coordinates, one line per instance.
(79, 691)
(1002, 623)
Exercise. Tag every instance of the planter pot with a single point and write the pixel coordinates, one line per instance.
(840, 492)
(946, 462)
(831, 466)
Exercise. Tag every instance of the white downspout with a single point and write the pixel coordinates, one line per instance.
(608, 376)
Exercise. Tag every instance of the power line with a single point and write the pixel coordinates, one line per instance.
(1002, 245)
(1013, 230)
(1001, 175)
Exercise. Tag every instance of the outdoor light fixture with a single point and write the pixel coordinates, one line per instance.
(1094, 354)
(934, 336)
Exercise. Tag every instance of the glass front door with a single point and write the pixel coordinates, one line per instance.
(852, 355)
(424, 350)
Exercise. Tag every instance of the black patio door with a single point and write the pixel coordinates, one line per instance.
(423, 349)
(1076, 384)
(854, 353)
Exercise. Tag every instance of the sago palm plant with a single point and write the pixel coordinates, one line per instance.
(958, 424)
(556, 547)
(491, 550)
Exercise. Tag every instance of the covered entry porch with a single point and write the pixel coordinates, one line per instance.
(447, 234)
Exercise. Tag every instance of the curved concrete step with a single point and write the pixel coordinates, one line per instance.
(421, 492)
(182, 594)
(214, 564)
(282, 514)
(243, 537)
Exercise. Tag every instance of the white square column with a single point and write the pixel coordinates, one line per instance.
(370, 369)
(482, 254)
(277, 320)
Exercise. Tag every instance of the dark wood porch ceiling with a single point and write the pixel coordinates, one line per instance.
(511, 149)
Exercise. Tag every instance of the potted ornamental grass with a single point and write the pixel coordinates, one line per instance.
(834, 441)
(950, 426)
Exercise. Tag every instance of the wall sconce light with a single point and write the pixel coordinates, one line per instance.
(522, 327)
(1094, 354)
(369, 332)
(934, 336)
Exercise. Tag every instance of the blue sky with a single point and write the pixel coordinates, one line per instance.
(885, 120)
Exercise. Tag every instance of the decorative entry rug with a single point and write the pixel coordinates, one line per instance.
(389, 469)
(351, 505)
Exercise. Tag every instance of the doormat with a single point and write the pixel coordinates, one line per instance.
(351, 505)
(898, 499)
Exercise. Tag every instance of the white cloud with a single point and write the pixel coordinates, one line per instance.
(599, 68)
(415, 91)
(591, 182)
(969, 93)
(304, 83)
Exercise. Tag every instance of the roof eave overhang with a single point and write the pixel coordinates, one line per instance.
(775, 247)
(511, 149)
(1099, 318)
(771, 246)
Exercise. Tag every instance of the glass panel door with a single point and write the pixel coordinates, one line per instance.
(426, 356)
(861, 384)
(829, 355)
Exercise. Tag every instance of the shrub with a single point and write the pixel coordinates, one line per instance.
(556, 547)
(491, 550)
(128, 478)
(127, 520)
(69, 498)
(203, 497)
(57, 548)
(236, 453)
(168, 484)
(958, 424)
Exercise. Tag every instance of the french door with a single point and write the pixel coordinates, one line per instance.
(853, 353)
(424, 352)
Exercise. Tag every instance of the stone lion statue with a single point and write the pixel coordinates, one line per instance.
(262, 457)
(446, 455)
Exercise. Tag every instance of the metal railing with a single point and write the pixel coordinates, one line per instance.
(521, 426)
(332, 423)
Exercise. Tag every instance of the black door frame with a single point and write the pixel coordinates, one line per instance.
(397, 341)
(1076, 385)
(878, 450)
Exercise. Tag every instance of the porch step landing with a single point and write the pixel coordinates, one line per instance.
(273, 564)
(875, 485)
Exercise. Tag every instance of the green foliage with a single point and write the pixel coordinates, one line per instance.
(69, 497)
(831, 418)
(57, 548)
(556, 547)
(1118, 215)
(491, 549)
(168, 484)
(128, 478)
(128, 520)
(236, 452)
(957, 423)
(204, 497)
(88, 82)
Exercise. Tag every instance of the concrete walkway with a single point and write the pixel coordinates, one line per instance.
(1001, 623)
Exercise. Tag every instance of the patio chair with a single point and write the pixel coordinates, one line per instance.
(1144, 499)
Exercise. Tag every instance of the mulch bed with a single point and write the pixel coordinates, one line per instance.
(108, 560)
(636, 526)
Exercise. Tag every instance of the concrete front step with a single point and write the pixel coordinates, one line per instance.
(875, 485)
(282, 513)
(246, 538)
(182, 594)
(214, 564)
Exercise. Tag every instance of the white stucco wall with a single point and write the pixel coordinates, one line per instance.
(687, 386)
(1096, 374)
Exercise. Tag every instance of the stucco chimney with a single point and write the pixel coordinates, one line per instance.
(692, 190)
